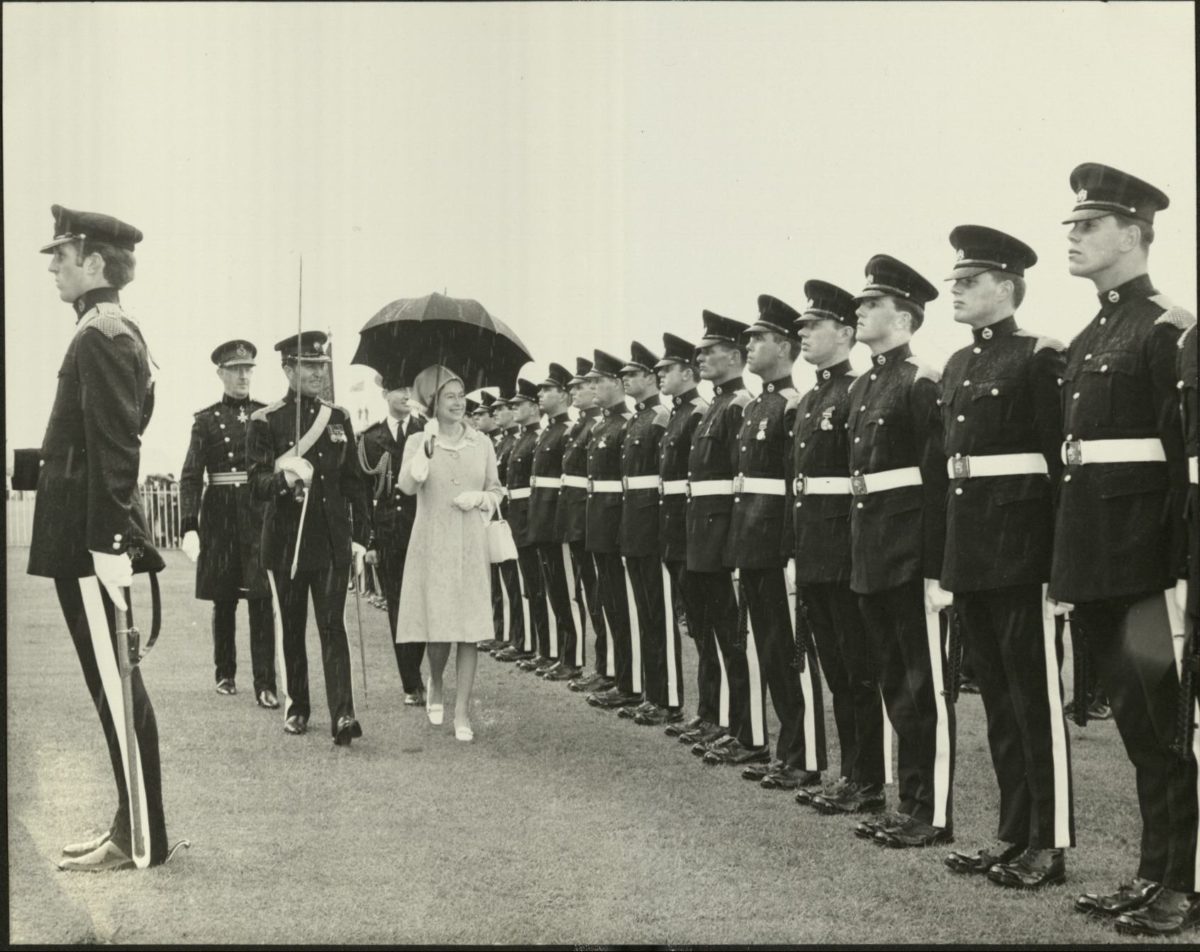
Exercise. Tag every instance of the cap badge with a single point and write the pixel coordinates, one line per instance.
(1081, 195)
(241, 351)
(825, 375)
(1114, 296)
(870, 279)
(961, 254)
(827, 418)
(809, 303)
(986, 333)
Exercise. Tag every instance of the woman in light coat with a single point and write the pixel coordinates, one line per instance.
(446, 596)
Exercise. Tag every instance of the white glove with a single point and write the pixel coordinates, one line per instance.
(789, 574)
(191, 544)
(1181, 593)
(359, 553)
(1060, 608)
(466, 501)
(431, 431)
(418, 468)
(114, 572)
(295, 468)
(372, 557)
(936, 597)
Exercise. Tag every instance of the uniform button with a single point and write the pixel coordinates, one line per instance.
(743, 449)
(978, 350)
(1075, 395)
(1103, 368)
(858, 439)
(960, 418)
(1067, 478)
(995, 392)
(958, 492)
(1103, 320)
(222, 425)
(859, 505)
(226, 439)
(881, 421)
(807, 415)
(863, 407)
(1087, 356)
(966, 383)
(858, 472)
(1069, 437)
(230, 455)
(737, 498)
(874, 376)
(802, 445)
(797, 504)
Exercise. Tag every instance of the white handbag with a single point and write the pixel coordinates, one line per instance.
(501, 547)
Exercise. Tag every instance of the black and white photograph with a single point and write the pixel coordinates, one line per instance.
(601, 474)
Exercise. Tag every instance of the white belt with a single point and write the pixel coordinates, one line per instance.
(759, 486)
(997, 464)
(674, 487)
(226, 479)
(821, 485)
(546, 482)
(575, 482)
(888, 479)
(604, 485)
(711, 487)
(1083, 452)
(1193, 476)
(640, 482)
(522, 493)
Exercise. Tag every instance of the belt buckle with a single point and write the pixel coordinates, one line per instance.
(961, 467)
(625, 483)
(533, 482)
(1074, 452)
(858, 485)
(590, 485)
(662, 490)
(799, 484)
(738, 482)
(687, 489)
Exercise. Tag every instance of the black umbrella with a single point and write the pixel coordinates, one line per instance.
(411, 334)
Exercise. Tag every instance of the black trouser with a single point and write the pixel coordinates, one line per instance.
(614, 595)
(587, 593)
(845, 653)
(391, 577)
(328, 588)
(91, 619)
(683, 617)
(506, 588)
(716, 608)
(1130, 643)
(646, 580)
(262, 641)
(911, 670)
(535, 596)
(567, 635)
(1016, 655)
(801, 741)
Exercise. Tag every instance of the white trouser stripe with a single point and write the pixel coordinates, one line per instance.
(1058, 731)
(349, 651)
(723, 696)
(552, 618)
(669, 627)
(888, 731)
(806, 689)
(282, 666)
(941, 760)
(110, 678)
(572, 605)
(635, 631)
(1175, 618)
(505, 607)
(527, 643)
(757, 711)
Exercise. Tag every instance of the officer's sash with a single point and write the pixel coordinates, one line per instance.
(310, 437)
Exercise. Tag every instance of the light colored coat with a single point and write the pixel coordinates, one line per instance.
(446, 595)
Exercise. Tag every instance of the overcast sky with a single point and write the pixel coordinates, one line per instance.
(591, 173)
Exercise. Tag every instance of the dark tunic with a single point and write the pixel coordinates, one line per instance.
(547, 462)
(639, 457)
(711, 459)
(570, 520)
(604, 462)
(686, 412)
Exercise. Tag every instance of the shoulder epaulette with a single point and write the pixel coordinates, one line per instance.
(699, 404)
(662, 416)
(792, 395)
(741, 399)
(924, 370)
(852, 374)
(262, 413)
(109, 320)
(1042, 342)
(1185, 337)
(333, 406)
(1178, 316)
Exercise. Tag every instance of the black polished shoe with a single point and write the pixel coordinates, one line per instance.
(705, 734)
(629, 713)
(561, 673)
(296, 724)
(1169, 913)
(614, 699)
(914, 834)
(834, 788)
(347, 728)
(702, 747)
(226, 686)
(592, 682)
(1099, 710)
(506, 654)
(853, 798)
(414, 698)
(531, 662)
(1129, 896)
(267, 699)
(866, 829)
(735, 755)
(659, 716)
(1033, 869)
(968, 686)
(682, 727)
(758, 771)
(544, 665)
(789, 778)
(979, 862)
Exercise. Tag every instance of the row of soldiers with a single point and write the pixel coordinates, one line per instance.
(834, 530)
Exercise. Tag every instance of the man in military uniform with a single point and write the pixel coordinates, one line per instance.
(380, 453)
(309, 542)
(485, 423)
(677, 374)
(554, 555)
(639, 543)
(1002, 427)
(604, 508)
(897, 534)
(222, 532)
(757, 545)
(720, 356)
(519, 645)
(89, 532)
(571, 525)
(1119, 536)
(819, 496)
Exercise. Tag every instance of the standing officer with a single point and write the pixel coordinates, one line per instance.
(571, 524)
(520, 474)
(485, 423)
(819, 478)
(1002, 425)
(89, 532)
(677, 374)
(897, 534)
(223, 532)
(604, 517)
(504, 440)
(328, 526)
(380, 453)
(639, 541)
(720, 356)
(558, 578)
(1119, 536)
(758, 541)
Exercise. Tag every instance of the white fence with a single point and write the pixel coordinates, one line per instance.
(160, 503)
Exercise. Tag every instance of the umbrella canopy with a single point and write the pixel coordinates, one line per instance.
(411, 334)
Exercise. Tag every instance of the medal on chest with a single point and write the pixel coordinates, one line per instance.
(762, 430)
(242, 418)
(336, 433)
(826, 419)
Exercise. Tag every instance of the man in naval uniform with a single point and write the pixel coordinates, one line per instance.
(536, 653)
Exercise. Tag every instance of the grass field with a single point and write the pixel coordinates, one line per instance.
(560, 824)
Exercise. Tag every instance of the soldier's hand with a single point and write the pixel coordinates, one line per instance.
(114, 572)
(936, 597)
(1060, 608)
(1181, 596)
(372, 557)
(296, 468)
(359, 552)
(191, 544)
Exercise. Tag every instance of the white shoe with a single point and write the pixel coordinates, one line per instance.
(435, 712)
(107, 857)
(463, 733)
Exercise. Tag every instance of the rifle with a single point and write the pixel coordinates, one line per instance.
(954, 652)
(1189, 681)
